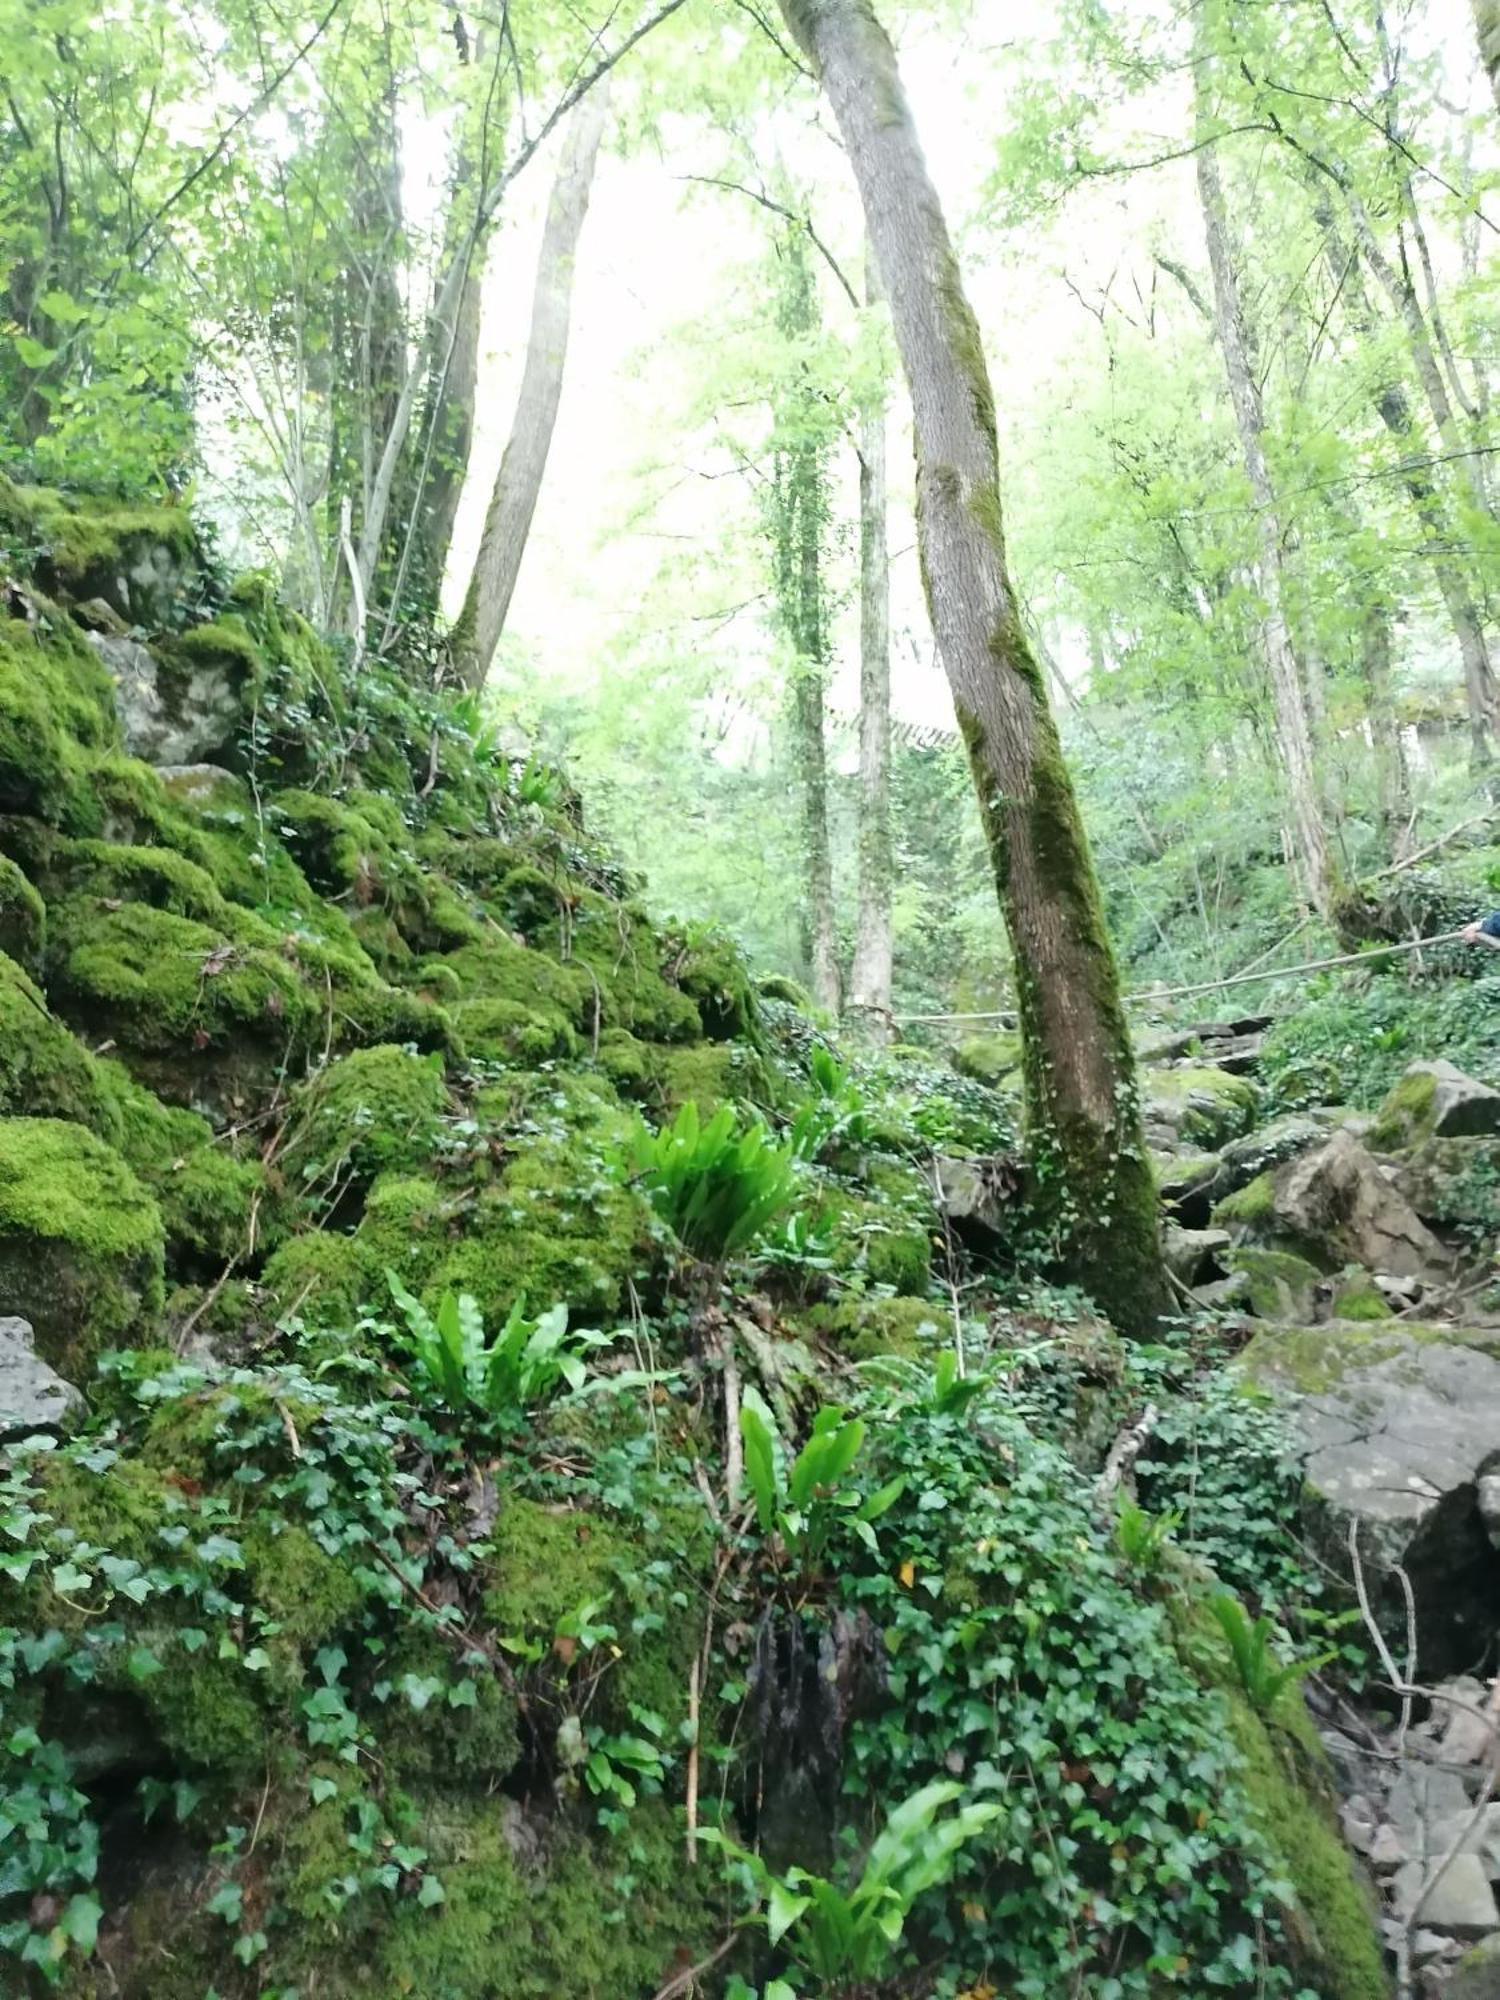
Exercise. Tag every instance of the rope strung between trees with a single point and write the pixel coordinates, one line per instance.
(1151, 994)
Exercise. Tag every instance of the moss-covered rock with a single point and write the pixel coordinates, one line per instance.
(56, 710)
(885, 1240)
(1199, 1106)
(80, 1241)
(1357, 1296)
(23, 917)
(373, 1111)
(1283, 1286)
(143, 561)
(990, 1059)
(45, 1071)
(865, 1328)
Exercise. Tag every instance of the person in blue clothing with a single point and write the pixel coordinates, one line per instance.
(1486, 931)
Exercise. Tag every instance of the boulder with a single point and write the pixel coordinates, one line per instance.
(1477, 1974)
(1268, 1146)
(1434, 1100)
(979, 1195)
(1279, 1284)
(1336, 1201)
(184, 712)
(1394, 1426)
(81, 1241)
(1194, 1256)
(1452, 1183)
(33, 1397)
(1196, 1106)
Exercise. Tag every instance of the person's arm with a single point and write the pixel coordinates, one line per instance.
(1487, 932)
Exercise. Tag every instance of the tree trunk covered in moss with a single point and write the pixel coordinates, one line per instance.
(797, 515)
(870, 980)
(1487, 27)
(507, 522)
(1083, 1117)
(1293, 734)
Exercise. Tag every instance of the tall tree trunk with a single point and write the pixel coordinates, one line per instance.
(870, 981)
(797, 515)
(422, 532)
(507, 522)
(1487, 27)
(1392, 782)
(1393, 407)
(1083, 1117)
(1294, 738)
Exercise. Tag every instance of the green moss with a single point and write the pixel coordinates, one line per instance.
(371, 1111)
(45, 1070)
(1205, 1106)
(620, 959)
(323, 1276)
(1406, 1117)
(224, 643)
(786, 992)
(500, 969)
(1282, 1284)
(1357, 1296)
(1283, 1770)
(80, 1241)
(705, 1074)
(131, 556)
(206, 1194)
(989, 1058)
(865, 1328)
(23, 917)
(880, 1241)
(155, 875)
(1253, 1204)
(56, 706)
(711, 971)
(512, 1032)
(159, 981)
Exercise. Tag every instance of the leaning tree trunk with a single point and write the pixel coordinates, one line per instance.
(1083, 1117)
(1293, 736)
(870, 979)
(519, 480)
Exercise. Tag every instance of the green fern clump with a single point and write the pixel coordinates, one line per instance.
(717, 1186)
(527, 1361)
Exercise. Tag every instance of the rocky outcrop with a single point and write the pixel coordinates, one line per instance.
(1335, 1206)
(33, 1397)
(1435, 1100)
(172, 714)
(1394, 1427)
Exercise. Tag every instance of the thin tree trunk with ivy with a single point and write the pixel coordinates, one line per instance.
(1293, 734)
(870, 979)
(797, 516)
(1088, 1158)
(507, 522)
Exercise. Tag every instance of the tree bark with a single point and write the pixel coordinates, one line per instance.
(1293, 735)
(1087, 1149)
(797, 515)
(1487, 27)
(870, 979)
(513, 501)
(1393, 407)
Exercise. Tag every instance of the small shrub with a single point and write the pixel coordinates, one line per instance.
(803, 1505)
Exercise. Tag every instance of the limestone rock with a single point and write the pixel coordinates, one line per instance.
(1268, 1146)
(1194, 1255)
(1280, 1285)
(1337, 1199)
(1435, 1100)
(1453, 1183)
(1196, 1106)
(1457, 1898)
(1477, 1974)
(33, 1397)
(1393, 1425)
(171, 713)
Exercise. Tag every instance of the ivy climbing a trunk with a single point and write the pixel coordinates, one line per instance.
(1084, 1128)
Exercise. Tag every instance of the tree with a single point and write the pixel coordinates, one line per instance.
(1487, 27)
(1283, 669)
(1083, 1118)
(870, 979)
(518, 483)
(797, 510)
